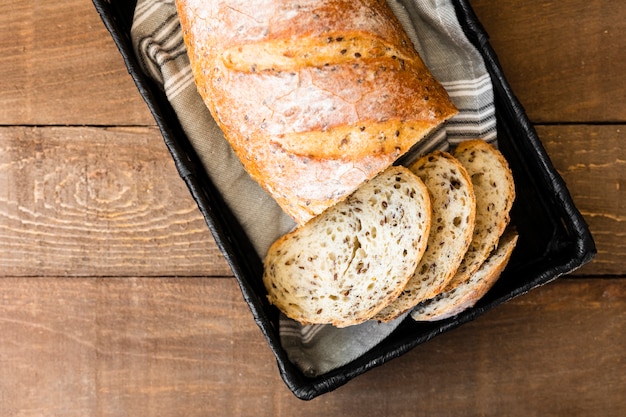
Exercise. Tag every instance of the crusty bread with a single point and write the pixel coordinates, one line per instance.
(346, 264)
(315, 97)
(495, 191)
(453, 302)
(454, 209)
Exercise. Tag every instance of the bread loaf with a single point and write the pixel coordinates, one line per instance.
(346, 264)
(495, 191)
(315, 96)
(454, 208)
(465, 295)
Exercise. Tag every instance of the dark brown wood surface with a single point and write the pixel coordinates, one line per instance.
(115, 300)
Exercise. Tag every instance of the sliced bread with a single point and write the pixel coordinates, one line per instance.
(454, 209)
(495, 191)
(348, 263)
(464, 296)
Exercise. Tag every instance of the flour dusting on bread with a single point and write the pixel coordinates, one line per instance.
(315, 97)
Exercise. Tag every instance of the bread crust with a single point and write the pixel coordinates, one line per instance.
(315, 97)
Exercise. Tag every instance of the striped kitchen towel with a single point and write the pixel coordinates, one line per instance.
(434, 29)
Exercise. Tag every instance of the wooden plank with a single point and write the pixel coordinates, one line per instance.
(98, 202)
(116, 206)
(48, 347)
(564, 59)
(189, 347)
(60, 66)
(592, 161)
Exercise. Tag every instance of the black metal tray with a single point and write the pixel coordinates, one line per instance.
(554, 238)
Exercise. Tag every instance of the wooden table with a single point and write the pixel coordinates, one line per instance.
(115, 301)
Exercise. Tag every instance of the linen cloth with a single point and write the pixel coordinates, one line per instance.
(435, 31)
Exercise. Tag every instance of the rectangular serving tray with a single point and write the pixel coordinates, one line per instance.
(554, 238)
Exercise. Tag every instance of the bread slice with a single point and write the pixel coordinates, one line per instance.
(450, 303)
(495, 191)
(454, 210)
(348, 263)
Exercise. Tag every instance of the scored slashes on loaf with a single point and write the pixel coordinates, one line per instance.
(314, 96)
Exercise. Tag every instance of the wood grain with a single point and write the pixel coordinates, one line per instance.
(592, 161)
(135, 346)
(564, 59)
(60, 66)
(116, 206)
(98, 202)
(109, 302)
